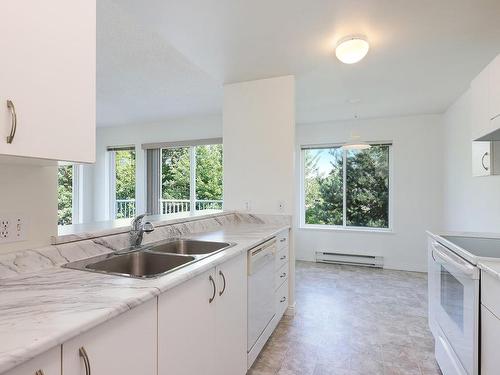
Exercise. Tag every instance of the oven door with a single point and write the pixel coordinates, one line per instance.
(454, 309)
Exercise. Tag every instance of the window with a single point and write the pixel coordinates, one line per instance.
(190, 177)
(347, 188)
(68, 194)
(122, 182)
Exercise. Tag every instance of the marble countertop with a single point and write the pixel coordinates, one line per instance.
(490, 266)
(44, 309)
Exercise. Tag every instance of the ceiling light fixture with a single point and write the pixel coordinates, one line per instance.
(352, 49)
(355, 144)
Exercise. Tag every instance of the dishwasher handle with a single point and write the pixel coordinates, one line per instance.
(261, 255)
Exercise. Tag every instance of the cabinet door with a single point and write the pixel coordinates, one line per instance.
(231, 313)
(48, 71)
(490, 340)
(481, 158)
(480, 120)
(186, 328)
(125, 345)
(49, 363)
(494, 92)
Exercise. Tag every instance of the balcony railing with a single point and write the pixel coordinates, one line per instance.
(125, 208)
(169, 206)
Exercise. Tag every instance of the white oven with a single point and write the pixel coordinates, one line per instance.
(454, 310)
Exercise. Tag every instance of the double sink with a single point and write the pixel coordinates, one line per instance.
(151, 260)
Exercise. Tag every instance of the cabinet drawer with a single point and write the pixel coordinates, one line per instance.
(281, 258)
(281, 300)
(282, 240)
(490, 292)
(281, 275)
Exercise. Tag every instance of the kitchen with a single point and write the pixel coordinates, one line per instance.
(320, 182)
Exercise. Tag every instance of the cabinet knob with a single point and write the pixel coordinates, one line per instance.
(283, 275)
(283, 257)
(283, 299)
(13, 127)
(283, 240)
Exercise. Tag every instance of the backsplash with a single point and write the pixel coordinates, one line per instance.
(12, 264)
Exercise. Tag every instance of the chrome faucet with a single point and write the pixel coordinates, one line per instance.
(138, 229)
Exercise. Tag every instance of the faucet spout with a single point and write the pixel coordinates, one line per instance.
(137, 230)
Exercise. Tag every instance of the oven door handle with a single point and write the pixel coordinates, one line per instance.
(443, 257)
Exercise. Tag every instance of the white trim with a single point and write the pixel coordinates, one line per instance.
(192, 179)
(302, 224)
(77, 195)
(112, 184)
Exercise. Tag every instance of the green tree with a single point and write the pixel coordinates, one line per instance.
(367, 187)
(125, 174)
(209, 172)
(175, 173)
(65, 195)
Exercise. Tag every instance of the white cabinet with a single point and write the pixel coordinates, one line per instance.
(485, 158)
(231, 322)
(202, 323)
(186, 327)
(494, 93)
(48, 363)
(480, 120)
(490, 340)
(48, 71)
(125, 345)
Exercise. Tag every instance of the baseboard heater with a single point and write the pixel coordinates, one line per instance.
(350, 259)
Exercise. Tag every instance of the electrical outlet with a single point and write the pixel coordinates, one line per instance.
(13, 228)
(247, 205)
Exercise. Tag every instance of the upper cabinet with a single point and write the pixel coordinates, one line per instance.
(494, 93)
(47, 79)
(485, 103)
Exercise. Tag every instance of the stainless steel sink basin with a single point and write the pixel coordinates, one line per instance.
(189, 247)
(139, 264)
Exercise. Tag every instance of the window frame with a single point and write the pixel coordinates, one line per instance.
(344, 227)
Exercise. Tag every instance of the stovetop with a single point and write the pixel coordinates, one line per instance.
(477, 246)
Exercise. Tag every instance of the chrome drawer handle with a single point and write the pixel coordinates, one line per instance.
(282, 299)
(13, 128)
(482, 161)
(86, 361)
(211, 299)
(283, 275)
(283, 257)
(224, 286)
(39, 372)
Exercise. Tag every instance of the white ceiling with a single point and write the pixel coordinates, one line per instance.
(171, 57)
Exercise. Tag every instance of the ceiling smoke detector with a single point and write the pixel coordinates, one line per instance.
(352, 49)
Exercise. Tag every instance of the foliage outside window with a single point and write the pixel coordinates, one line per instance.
(191, 189)
(124, 183)
(65, 195)
(348, 188)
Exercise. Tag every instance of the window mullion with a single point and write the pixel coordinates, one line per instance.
(192, 179)
(344, 188)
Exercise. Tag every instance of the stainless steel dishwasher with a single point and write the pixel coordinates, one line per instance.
(261, 309)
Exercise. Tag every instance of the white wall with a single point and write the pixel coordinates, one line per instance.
(97, 199)
(31, 191)
(259, 136)
(470, 203)
(416, 189)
